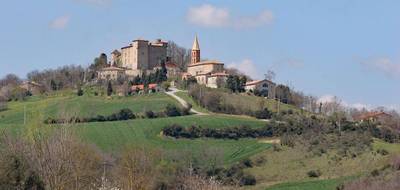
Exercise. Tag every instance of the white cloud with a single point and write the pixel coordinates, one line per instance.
(60, 22)
(211, 16)
(385, 65)
(265, 17)
(208, 15)
(247, 67)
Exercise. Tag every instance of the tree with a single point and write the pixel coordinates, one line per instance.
(282, 93)
(109, 89)
(80, 91)
(3, 103)
(166, 85)
(236, 83)
(179, 55)
(270, 75)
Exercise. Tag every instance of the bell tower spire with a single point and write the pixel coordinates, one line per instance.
(195, 51)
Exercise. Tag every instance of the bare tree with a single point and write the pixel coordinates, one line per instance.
(270, 75)
(135, 169)
(64, 162)
(179, 55)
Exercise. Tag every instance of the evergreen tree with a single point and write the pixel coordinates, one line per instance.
(109, 89)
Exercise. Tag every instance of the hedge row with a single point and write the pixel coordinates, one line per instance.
(123, 114)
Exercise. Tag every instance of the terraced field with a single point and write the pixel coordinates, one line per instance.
(112, 136)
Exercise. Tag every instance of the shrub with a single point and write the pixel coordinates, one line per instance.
(150, 114)
(248, 179)
(314, 173)
(382, 152)
(263, 114)
(247, 163)
(172, 111)
(396, 163)
(375, 172)
(79, 92)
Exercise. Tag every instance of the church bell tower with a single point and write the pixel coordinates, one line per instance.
(195, 51)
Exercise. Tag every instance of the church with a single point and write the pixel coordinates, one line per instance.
(210, 73)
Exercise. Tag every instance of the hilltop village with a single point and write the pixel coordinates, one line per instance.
(149, 119)
(142, 57)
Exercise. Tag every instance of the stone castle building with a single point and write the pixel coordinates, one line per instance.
(210, 73)
(140, 56)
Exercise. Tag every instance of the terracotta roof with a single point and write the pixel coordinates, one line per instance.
(211, 62)
(171, 65)
(256, 82)
(168, 65)
(141, 86)
(370, 115)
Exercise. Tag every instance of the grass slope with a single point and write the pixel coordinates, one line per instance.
(84, 106)
(326, 184)
(147, 133)
(195, 105)
(291, 165)
(112, 136)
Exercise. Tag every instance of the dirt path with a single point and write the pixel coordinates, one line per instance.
(172, 92)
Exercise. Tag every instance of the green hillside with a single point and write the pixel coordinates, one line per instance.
(112, 136)
(83, 106)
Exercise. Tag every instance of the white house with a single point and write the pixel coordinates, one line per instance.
(263, 87)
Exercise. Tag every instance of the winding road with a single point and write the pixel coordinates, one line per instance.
(171, 92)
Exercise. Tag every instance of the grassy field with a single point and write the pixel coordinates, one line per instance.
(291, 165)
(254, 103)
(147, 133)
(325, 184)
(84, 106)
(112, 136)
(187, 98)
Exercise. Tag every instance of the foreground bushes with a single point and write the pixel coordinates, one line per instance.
(178, 131)
(61, 161)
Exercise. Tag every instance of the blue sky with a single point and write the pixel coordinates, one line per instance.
(347, 48)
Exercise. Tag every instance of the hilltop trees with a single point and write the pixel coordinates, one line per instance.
(236, 83)
(57, 79)
(179, 55)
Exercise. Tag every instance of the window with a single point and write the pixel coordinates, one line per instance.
(265, 85)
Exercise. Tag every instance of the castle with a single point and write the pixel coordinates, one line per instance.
(142, 56)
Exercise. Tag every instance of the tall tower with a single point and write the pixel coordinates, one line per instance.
(195, 51)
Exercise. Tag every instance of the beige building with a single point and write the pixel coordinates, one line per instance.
(263, 87)
(143, 55)
(140, 56)
(111, 73)
(210, 73)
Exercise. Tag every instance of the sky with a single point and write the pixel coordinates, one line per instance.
(344, 48)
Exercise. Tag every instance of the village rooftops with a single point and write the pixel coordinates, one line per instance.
(141, 86)
(168, 65)
(210, 62)
(371, 115)
(255, 82)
